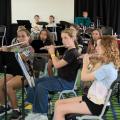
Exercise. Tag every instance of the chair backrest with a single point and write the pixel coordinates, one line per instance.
(107, 30)
(108, 97)
(2, 33)
(2, 28)
(77, 78)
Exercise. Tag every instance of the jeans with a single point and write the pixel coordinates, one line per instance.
(42, 88)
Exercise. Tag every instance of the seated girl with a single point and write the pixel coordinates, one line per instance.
(95, 35)
(102, 73)
(14, 81)
(44, 40)
(67, 68)
(51, 22)
(41, 59)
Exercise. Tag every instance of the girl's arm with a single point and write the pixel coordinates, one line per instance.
(58, 63)
(85, 75)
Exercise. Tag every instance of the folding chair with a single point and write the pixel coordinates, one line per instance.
(116, 91)
(40, 66)
(61, 94)
(2, 33)
(95, 117)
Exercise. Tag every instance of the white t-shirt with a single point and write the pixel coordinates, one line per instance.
(51, 24)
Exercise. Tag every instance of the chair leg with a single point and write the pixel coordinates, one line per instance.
(118, 94)
(75, 93)
(50, 110)
(61, 96)
(101, 119)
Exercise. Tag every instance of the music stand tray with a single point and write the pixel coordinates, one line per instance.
(29, 78)
(25, 23)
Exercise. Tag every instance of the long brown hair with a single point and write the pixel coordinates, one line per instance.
(111, 49)
(92, 42)
(111, 52)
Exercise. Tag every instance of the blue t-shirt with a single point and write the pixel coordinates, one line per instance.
(104, 77)
(106, 74)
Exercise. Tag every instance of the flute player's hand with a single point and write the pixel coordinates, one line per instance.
(4, 48)
(86, 60)
(51, 49)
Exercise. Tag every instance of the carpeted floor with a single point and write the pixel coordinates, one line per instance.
(112, 114)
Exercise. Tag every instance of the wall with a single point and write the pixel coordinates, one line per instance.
(26, 9)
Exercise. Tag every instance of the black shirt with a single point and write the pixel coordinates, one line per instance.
(69, 71)
(37, 44)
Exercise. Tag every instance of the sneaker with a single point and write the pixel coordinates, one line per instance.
(16, 114)
(3, 109)
(41, 117)
(32, 116)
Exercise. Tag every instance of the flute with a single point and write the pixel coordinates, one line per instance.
(17, 44)
(4, 48)
(94, 55)
(59, 46)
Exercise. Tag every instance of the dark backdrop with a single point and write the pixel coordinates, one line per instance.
(107, 10)
(5, 17)
(5, 12)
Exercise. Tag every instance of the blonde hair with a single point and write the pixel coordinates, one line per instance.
(71, 33)
(27, 33)
(24, 30)
(21, 27)
(111, 49)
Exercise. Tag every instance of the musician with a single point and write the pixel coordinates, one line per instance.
(67, 68)
(78, 33)
(36, 28)
(86, 20)
(95, 35)
(39, 64)
(51, 22)
(14, 81)
(44, 40)
(102, 74)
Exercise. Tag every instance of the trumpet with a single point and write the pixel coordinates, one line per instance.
(59, 46)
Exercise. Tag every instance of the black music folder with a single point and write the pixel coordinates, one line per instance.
(25, 23)
(15, 66)
(9, 59)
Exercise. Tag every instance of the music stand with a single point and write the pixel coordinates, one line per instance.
(13, 64)
(25, 23)
(7, 60)
(42, 23)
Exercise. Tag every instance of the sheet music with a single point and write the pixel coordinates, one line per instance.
(25, 72)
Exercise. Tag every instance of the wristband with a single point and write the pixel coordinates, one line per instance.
(52, 55)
